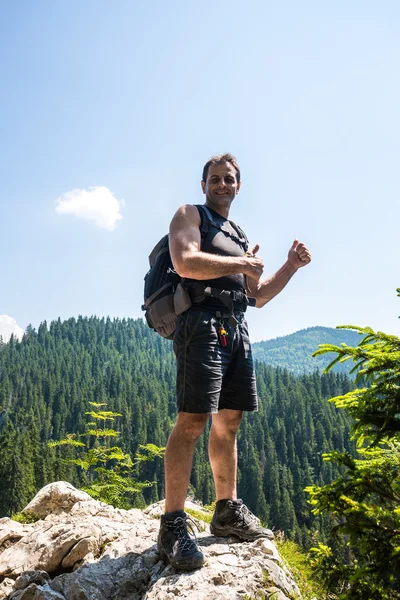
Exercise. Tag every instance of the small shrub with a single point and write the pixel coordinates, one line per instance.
(111, 473)
(200, 515)
(25, 517)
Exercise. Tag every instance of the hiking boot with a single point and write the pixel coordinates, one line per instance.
(232, 517)
(175, 544)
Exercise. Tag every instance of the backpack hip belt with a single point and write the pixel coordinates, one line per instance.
(232, 299)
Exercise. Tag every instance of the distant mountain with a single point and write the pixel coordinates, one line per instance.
(294, 351)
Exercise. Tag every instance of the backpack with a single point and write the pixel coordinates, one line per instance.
(164, 294)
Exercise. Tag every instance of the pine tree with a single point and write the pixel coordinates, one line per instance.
(252, 487)
(16, 470)
(110, 471)
(364, 501)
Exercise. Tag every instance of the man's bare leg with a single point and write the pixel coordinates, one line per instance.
(223, 453)
(179, 456)
(229, 517)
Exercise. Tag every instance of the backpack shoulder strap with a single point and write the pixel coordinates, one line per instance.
(206, 219)
(242, 236)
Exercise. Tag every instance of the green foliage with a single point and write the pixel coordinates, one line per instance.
(148, 452)
(374, 409)
(110, 470)
(17, 466)
(115, 489)
(364, 502)
(298, 563)
(200, 515)
(25, 517)
(68, 441)
(210, 507)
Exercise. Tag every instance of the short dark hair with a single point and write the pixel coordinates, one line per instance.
(220, 159)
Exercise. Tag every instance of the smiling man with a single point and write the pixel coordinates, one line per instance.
(215, 373)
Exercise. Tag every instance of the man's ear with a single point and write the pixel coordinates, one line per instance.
(203, 186)
(238, 186)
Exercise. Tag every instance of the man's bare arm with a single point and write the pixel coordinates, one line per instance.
(188, 259)
(264, 291)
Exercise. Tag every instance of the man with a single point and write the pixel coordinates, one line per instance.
(215, 374)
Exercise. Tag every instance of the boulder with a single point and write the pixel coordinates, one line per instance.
(12, 531)
(55, 498)
(81, 549)
(6, 587)
(51, 547)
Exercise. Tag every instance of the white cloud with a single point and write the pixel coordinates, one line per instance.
(8, 325)
(96, 204)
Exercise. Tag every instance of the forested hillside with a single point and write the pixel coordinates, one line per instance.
(47, 380)
(294, 351)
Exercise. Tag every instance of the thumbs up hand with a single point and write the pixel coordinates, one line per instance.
(254, 251)
(299, 255)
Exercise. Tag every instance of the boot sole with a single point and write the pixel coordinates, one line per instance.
(224, 533)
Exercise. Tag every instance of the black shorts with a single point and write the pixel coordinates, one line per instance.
(211, 377)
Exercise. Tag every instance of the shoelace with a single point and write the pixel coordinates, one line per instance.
(250, 514)
(244, 514)
(180, 529)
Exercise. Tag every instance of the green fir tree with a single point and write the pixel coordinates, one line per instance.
(110, 471)
(364, 501)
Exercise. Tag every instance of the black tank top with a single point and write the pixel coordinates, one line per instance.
(223, 239)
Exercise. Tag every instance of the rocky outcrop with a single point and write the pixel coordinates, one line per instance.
(81, 549)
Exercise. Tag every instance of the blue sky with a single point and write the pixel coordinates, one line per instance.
(132, 98)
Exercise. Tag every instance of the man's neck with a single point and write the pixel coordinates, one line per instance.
(221, 210)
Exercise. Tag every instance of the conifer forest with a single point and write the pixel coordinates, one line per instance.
(49, 378)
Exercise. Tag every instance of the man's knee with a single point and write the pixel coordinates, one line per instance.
(227, 422)
(190, 426)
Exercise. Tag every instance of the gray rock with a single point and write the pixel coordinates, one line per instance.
(111, 554)
(6, 586)
(28, 577)
(54, 498)
(35, 592)
(276, 594)
(47, 546)
(12, 530)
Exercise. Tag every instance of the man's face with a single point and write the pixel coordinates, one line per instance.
(222, 185)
